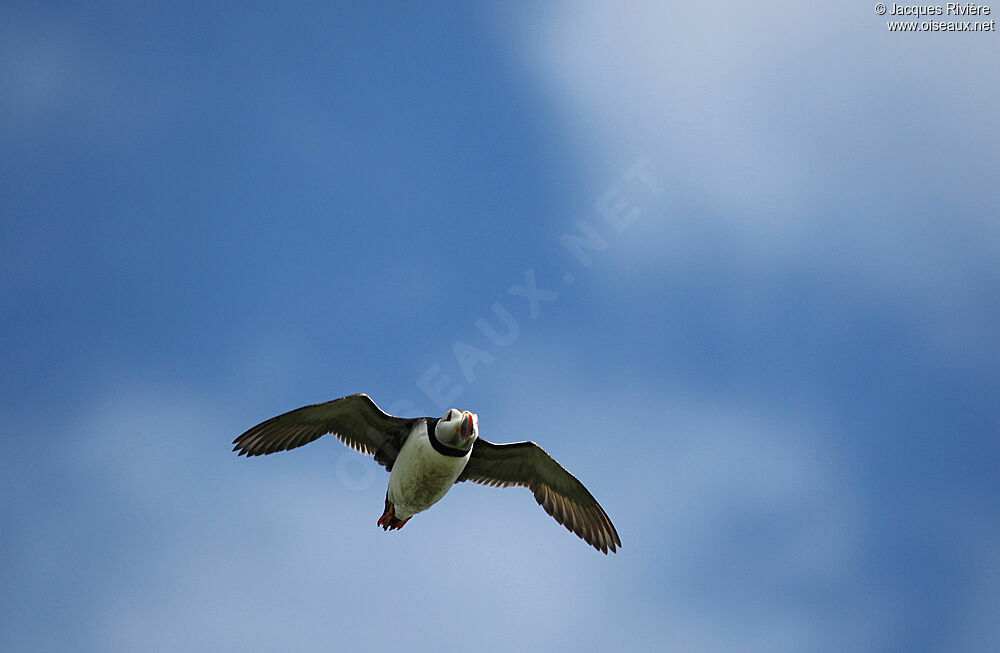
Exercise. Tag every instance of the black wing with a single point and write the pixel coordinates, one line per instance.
(355, 420)
(555, 489)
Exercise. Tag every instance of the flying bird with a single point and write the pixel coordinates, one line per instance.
(425, 456)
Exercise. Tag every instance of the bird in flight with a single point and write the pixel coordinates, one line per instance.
(425, 456)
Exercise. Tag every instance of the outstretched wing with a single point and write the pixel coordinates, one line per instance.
(555, 489)
(355, 420)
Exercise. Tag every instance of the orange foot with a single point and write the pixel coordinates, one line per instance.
(388, 520)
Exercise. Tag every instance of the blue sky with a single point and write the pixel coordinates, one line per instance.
(774, 363)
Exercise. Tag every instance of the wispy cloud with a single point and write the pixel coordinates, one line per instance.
(786, 151)
(725, 507)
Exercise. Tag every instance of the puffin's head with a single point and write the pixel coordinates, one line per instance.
(458, 429)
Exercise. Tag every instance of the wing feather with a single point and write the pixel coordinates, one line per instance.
(557, 491)
(355, 420)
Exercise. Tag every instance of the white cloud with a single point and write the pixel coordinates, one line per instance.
(219, 551)
(749, 105)
(790, 138)
(742, 526)
(214, 551)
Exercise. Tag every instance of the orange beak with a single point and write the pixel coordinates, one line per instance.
(466, 426)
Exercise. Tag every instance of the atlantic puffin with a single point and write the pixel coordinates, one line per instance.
(425, 456)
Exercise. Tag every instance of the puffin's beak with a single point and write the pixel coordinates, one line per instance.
(466, 426)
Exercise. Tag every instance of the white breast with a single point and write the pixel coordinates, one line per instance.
(421, 476)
